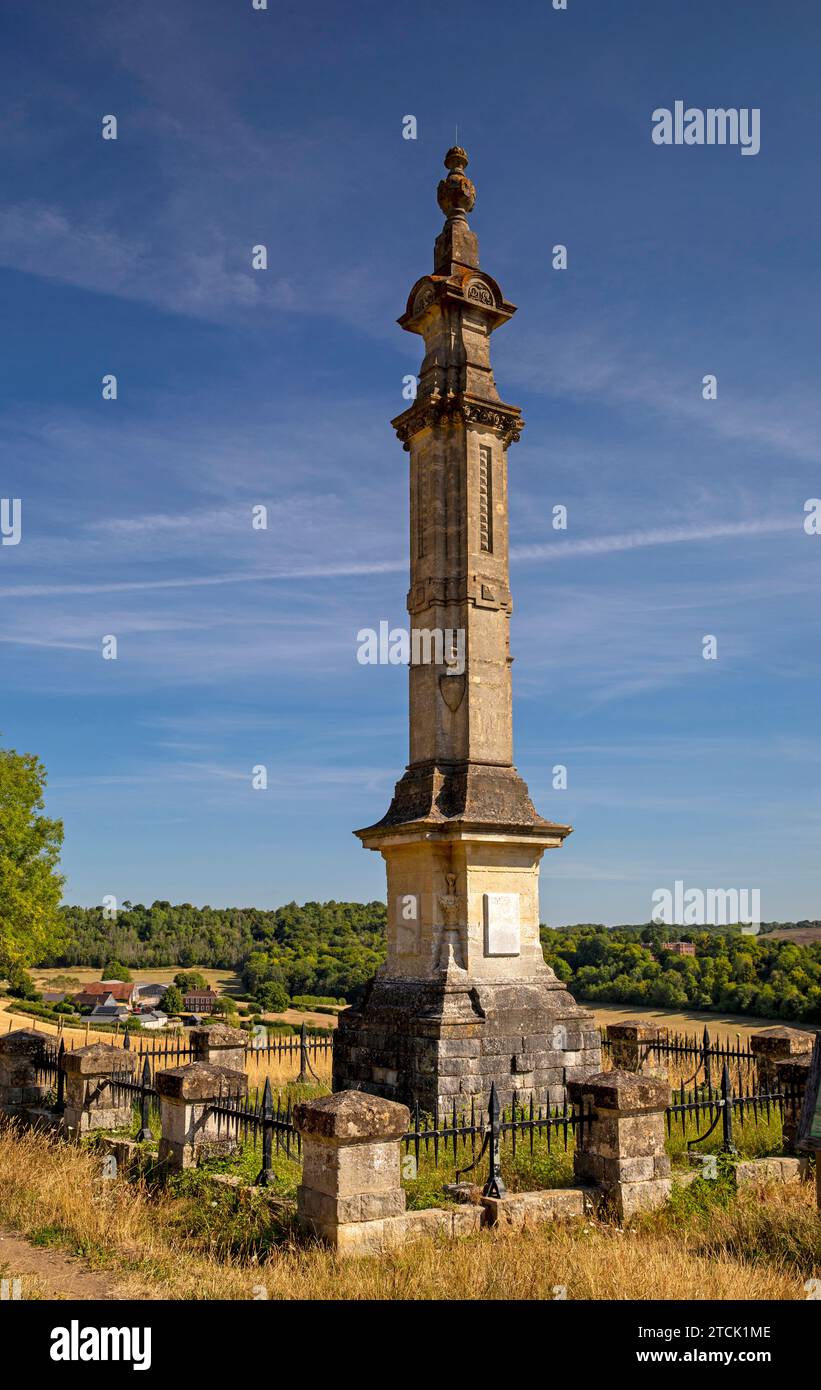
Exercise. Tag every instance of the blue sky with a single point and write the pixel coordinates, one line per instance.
(238, 647)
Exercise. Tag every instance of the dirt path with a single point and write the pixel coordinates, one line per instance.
(53, 1275)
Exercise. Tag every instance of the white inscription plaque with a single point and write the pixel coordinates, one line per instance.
(407, 924)
(502, 928)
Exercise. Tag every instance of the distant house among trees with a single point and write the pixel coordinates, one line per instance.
(200, 1001)
(108, 1010)
(153, 1019)
(100, 990)
(147, 996)
(679, 948)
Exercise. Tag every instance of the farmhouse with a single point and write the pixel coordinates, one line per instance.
(200, 1001)
(147, 996)
(153, 1019)
(99, 990)
(109, 1011)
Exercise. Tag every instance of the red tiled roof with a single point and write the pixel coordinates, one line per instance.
(119, 988)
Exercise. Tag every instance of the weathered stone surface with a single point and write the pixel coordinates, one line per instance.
(325, 1211)
(201, 1081)
(760, 1172)
(626, 1092)
(633, 1030)
(378, 1237)
(621, 1150)
(85, 1118)
(21, 1083)
(632, 1047)
(98, 1059)
(631, 1198)
(462, 841)
(190, 1130)
(523, 1209)
(403, 1039)
(344, 1169)
(351, 1116)
(791, 1077)
(220, 1044)
(22, 1042)
(778, 1042)
(773, 1045)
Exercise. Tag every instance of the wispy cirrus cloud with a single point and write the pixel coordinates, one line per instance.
(558, 550)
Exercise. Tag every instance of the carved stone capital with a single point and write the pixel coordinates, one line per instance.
(438, 411)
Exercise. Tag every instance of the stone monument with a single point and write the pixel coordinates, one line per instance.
(465, 997)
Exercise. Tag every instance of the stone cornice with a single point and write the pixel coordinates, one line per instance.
(428, 412)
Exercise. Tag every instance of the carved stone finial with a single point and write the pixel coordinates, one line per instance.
(456, 194)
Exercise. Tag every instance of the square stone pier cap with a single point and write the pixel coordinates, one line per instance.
(351, 1117)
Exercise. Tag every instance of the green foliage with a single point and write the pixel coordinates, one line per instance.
(224, 1005)
(172, 1002)
(273, 996)
(30, 885)
(186, 980)
(316, 1001)
(730, 972)
(21, 985)
(115, 970)
(696, 1201)
(327, 949)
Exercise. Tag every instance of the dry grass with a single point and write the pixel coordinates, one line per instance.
(724, 1027)
(282, 1071)
(185, 1246)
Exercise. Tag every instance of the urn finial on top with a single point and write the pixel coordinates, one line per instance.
(456, 194)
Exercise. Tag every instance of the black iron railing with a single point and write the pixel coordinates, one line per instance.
(706, 1055)
(728, 1106)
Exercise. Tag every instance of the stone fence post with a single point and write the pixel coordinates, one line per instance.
(22, 1084)
(622, 1149)
(350, 1167)
(187, 1094)
(630, 1047)
(792, 1074)
(778, 1044)
(220, 1045)
(90, 1102)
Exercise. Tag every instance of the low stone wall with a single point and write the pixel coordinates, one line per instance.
(352, 1199)
(351, 1196)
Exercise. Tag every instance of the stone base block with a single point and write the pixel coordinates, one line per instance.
(342, 1171)
(325, 1212)
(626, 1199)
(379, 1237)
(18, 1097)
(83, 1121)
(520, 1210)
(443, 1041)
(759, 1172)
(43, 1119)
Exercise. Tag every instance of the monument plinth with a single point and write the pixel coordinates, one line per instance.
(464, 997)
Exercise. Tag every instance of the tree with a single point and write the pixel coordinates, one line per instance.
(21, 985)
(224, 1005)
(273, 996)
(30, 885)
(115, 971)
(187, 980)
(172, 1000)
